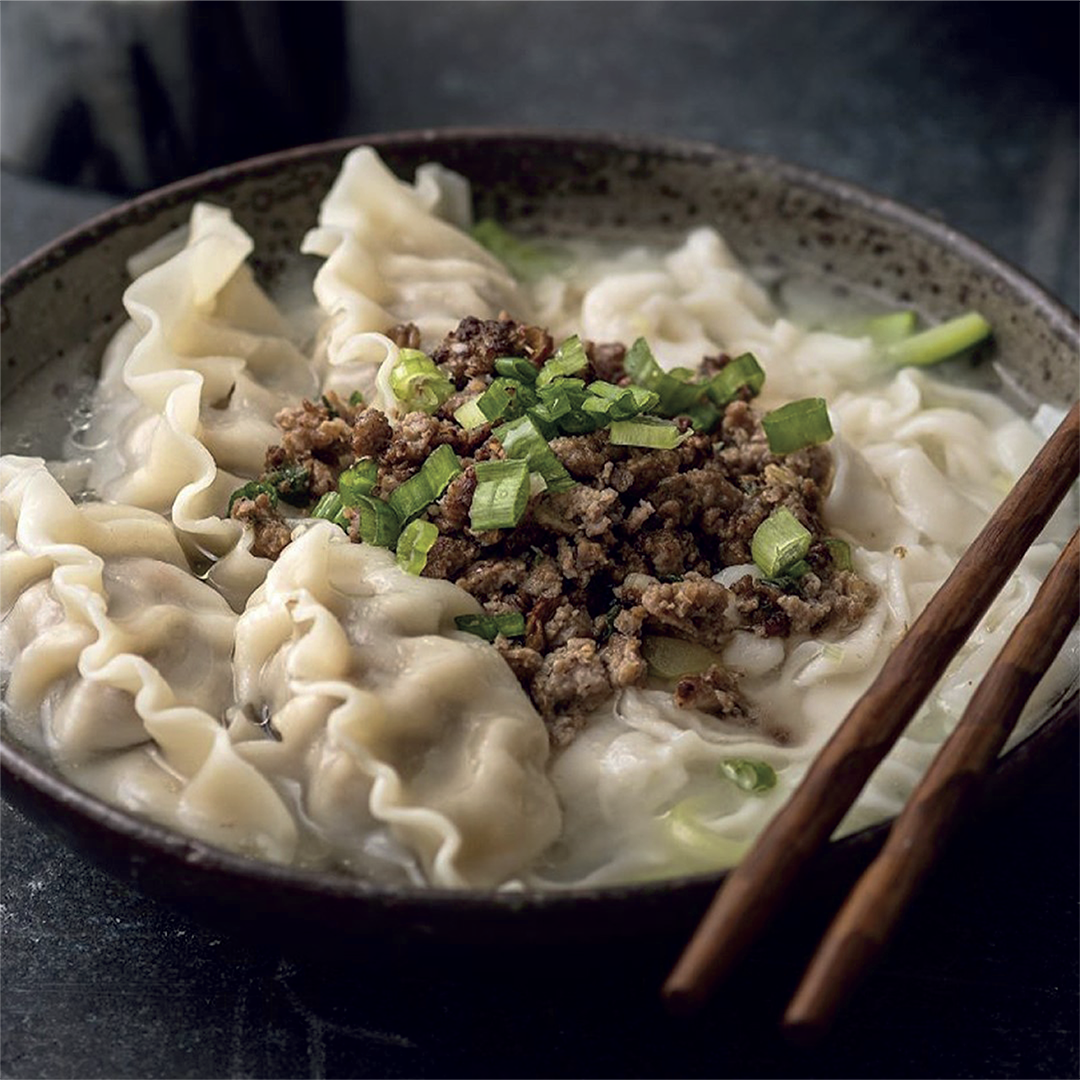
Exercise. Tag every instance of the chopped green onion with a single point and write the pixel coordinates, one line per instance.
(495, 400)
(544, 421)
(675, 395)
(501, 495)
(779, 542)
(756, 777)
(940, 342)
(423, 488)
(329, 506)
(671, 658)
(524, 259)
(704, 416)
(689, 831)
(581, 422)
(470, 415)
(569, 358)
(891, 328)
(489, 627)
(359, 479)
(840, 550)
(413, 545)
(725, 385)
(356, 398)
(252, 490)
(379, 524)
(417, 383)
(289, 482)
(796, 425)
(647, 431)
(516, 367)
(522, 439)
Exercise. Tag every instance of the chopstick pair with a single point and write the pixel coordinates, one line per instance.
(758, 887)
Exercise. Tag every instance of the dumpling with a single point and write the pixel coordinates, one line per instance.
(192, 383)
(390, 259)
(388, 714)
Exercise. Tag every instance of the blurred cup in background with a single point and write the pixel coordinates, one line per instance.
(125, 95)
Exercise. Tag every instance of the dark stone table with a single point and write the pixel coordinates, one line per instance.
(968, 111)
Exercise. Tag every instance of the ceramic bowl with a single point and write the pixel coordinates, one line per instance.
(60, 306)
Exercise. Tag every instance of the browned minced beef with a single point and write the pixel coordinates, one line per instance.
(271, 533)
(629, 551)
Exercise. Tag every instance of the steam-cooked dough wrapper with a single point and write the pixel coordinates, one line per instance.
(125, 657)
(391, 258)
(193, 382)
(386, 712)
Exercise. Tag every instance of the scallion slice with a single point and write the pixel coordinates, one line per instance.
(779, 542)
(516, 367)
(359, 479)
(413, 545)
(417, 383)
(501, 495)
(649, 431)
(489, 627)
(496, 400)
(725, 385)
(521, 439)
(470, 415)
(569, 359)
(891, 328)
(756, 777)
(796, 425)
(525, 259)
(379, 524)
(840, 550)
(423, 488)
(328, 506)
(940, 342)
(675, 395)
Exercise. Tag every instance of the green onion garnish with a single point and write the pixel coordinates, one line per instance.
(359, 479)
(725, 385)
(569, 358)
(524, 259)
(516, 367)
(379, 525)
(356, 398)
(891, 328)
(329, 506)
(423, 488)
(756, 777)
(413, 545)
(489, 627)
(704, 416)
(417, 383)
(940, 342)
(252, 490)
(501, 495)
(647, 431)
(521, 439)
(675, 395)
(779, 542)
(470, 415)
(840, 550)
(797, 425)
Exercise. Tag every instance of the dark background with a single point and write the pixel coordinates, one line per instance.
(964, 110)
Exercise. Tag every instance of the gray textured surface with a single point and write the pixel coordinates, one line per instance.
(965, 115)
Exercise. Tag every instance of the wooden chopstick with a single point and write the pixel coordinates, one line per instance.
(918, 836)
(759, 886)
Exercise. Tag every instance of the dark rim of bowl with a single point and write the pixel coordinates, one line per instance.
(194, 854)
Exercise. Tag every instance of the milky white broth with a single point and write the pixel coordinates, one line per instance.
(146, 648)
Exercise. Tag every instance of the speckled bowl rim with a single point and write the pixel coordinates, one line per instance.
(418, 902)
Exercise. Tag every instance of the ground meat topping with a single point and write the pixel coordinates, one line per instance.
(629, 551)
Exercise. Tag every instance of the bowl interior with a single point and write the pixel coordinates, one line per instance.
(60, 307)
